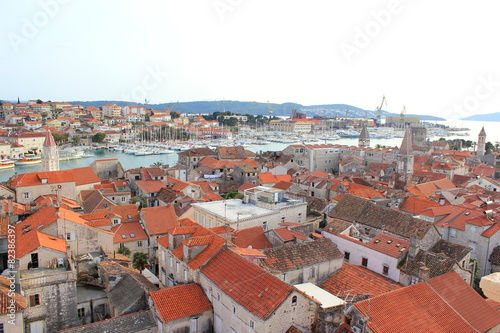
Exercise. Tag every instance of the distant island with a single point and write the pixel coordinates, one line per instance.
(258, 108)
(484, 117)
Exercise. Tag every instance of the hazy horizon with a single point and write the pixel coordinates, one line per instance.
(431, 58)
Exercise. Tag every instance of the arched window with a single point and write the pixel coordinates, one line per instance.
(294, 300)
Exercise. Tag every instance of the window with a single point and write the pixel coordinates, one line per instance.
(123, 199)
(177, 267)
(185, 274)
(264, 226)
(2, 330)
(347, 255)
(171, 261)
(26, 195)
(294, 300)
(385, 269)
(218, 297)
(113, 198)
(252, 324)
(34, 260)
(35, 300)
(364, 262)
(81, 313)
(283, 276)
(139, 243)
(234, 309)
(453, 232)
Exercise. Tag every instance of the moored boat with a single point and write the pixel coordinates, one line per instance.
(29, 160)
(5, 164)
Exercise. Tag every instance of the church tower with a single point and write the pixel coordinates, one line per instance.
(405, 155)
(50, 155)
(364, 138)
(481, 143)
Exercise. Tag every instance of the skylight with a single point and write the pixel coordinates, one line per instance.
(132, 235)
(124, 236)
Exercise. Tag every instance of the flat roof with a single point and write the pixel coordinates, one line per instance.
(326, 299)
(233, 210)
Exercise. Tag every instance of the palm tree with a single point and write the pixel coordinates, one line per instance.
(157, 164)
(140, 261)
(124, 250)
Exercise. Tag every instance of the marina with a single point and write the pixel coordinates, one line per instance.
(166, 153)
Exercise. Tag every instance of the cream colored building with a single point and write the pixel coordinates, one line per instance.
(262, 206)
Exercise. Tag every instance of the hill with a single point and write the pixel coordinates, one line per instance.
(256, 108)
(485, 117)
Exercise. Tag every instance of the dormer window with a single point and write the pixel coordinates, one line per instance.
(44, 180)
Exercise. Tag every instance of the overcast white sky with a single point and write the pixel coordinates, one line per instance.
(434, 57)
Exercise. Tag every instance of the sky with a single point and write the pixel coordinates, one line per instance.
(436, 58)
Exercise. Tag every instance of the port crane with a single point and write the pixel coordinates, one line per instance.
(378, 111)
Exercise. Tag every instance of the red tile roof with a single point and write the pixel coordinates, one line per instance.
(253, 236)
(417, 205)
(445, 304)
(357, 280)
(27, 241)
(150, 186)
(289, 235)
(81, 176)
(158, 220)
(246, 283)
(9, 298)
(389, 245)
(180, 302)
(129, 231)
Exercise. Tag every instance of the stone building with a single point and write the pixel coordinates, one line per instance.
(183, 308)
(246, 298)
(312, 261)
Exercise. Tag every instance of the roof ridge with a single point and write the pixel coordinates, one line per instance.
(449, 305)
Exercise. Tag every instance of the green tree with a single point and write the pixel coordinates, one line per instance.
(489, 147)
(98, 137)
(140, 200)
(140, 261)
(60, 138)
(39, 101)
(174, 115)
(124, 250)
(157, 164)
(75, 140)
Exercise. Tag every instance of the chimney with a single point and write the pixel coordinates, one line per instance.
(59, 197)
(11, 206)
(441, 201)
(2, 206)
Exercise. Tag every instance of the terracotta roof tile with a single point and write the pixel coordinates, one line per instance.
(253, 236)
(180, 301)
(246, 283)
(8, 298)
(158, 220)
(129, 231)
(357, 280)
(150, 186)
(289, 235)
(390, 312)
(289, 257)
